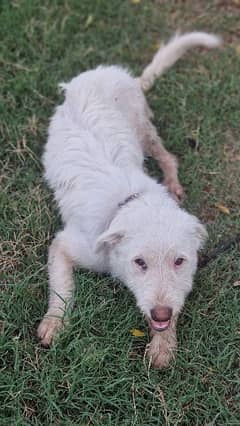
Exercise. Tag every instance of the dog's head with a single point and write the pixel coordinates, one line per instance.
(154, 252)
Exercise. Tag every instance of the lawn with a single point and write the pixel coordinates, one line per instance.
(95, 374)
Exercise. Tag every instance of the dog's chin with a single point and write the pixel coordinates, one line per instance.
(159, 325)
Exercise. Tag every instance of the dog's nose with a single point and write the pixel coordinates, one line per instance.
(161, 313)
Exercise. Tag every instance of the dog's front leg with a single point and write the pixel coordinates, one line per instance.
(162, 347)
(60, 268)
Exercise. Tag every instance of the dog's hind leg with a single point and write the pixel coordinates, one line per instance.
(60, 269)
(153, 146)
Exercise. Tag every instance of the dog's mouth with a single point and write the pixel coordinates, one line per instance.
(159, 325)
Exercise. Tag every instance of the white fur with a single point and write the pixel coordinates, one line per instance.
(174, 50)
(93, 162)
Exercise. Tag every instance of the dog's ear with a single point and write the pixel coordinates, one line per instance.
(108, 239)
(201, 234)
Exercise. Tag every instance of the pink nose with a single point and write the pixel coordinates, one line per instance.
(161, 313)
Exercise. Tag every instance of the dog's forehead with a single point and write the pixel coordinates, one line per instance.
(161, 241)
(165, 228)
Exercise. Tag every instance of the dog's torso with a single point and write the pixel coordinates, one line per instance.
(94, 155)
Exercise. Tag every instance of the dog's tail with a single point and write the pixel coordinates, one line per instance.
(167, 55)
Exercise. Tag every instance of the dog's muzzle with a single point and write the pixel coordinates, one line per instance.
(160, 318)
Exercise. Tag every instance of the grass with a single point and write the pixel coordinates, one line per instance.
(95, 374)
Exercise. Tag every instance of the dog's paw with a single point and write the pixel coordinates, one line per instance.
(48, 328)
(176, 190)
(161, 349)
(161, 358)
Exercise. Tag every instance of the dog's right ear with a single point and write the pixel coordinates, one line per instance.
(108, 240)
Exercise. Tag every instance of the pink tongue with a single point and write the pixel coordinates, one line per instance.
(160, 325)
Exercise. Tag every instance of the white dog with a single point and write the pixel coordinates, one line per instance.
(116, 218)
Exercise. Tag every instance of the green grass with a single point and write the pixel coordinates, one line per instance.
(95, 374)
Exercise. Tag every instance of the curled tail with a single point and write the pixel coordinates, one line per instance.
(167, 55)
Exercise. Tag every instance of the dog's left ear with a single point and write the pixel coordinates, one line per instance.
(108, 240)
(201, 234)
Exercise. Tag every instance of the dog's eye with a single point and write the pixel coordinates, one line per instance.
(140, 262)
(179, 261)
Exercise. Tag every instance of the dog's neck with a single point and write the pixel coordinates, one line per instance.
(118, 209)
